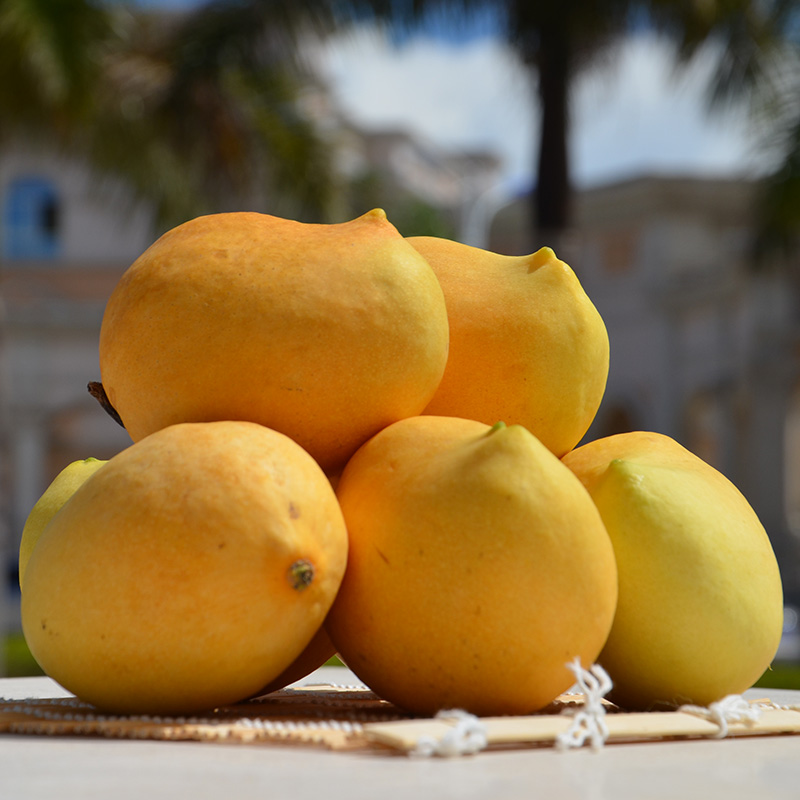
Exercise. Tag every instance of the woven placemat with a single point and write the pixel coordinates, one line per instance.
(354, 718)
(328, 715)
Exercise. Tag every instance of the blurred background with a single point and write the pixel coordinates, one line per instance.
(654, 145)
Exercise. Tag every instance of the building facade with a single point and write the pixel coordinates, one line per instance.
(64, 242)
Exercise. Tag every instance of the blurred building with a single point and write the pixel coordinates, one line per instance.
(424, 189)
(450, 183)
(705, 336)
(64, 242)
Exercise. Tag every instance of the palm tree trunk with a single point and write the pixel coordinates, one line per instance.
(552, 196)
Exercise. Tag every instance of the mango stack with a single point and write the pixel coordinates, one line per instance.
(344, 440)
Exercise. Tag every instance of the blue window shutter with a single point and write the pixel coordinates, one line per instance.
(31, 223)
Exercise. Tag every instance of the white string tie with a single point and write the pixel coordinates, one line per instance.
(466, 737)
(733, 708)
(589, 721)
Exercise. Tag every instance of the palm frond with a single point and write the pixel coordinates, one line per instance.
(49, 61)
(200, 112)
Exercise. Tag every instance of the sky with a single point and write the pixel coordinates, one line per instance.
(629, 117)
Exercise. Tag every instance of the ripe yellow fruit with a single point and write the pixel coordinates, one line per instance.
(187, 573)
(326, 333)
(57, 493)
(526, 343)
(700, 608)
(478, 567)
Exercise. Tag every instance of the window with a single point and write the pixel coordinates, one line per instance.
(31, 220)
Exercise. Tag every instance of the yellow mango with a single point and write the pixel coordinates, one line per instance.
(187, 573)
(326, 333)
(527, 346)
(700, 610)
(478, 568)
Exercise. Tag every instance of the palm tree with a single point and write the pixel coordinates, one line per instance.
(200, 108)
(193, 111)
(48, 63)
(199, 111)
(758, 62)
(557, 41)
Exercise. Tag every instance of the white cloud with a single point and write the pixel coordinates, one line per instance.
(629, 117)
(469, 96)
(642, 115)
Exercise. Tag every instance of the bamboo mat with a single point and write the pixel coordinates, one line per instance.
(349, 718)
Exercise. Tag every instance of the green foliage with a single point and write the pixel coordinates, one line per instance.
(194, 112)
(415, 217)
(781, 675)
(198, 112)
(17, 661)
(49, 62)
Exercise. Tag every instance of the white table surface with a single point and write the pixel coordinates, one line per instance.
(67, 768)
